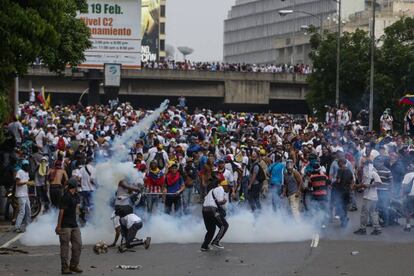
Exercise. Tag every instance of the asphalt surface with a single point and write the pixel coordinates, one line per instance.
(392, 253)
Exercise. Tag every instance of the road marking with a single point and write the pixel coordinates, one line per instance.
(315, 241)
(7, 244)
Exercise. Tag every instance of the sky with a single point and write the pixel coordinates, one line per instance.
(197, 24)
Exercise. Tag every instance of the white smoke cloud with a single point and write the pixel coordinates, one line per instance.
(245, 227)
(123, 143)
(108, 175)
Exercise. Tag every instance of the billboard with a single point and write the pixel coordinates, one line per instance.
(150, 30)
(115, 33)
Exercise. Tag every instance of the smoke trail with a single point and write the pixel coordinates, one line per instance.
(123, 143)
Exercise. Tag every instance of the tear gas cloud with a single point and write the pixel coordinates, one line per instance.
(245, 227)
(123, 143)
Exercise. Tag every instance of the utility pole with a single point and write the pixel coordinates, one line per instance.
(371, 80)
(338, 53)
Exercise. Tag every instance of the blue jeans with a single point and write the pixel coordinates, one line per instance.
(384, 197)
(244, 187)
(341, 200)
(320, 210)
(187, 193)
(86, 200)
(275, 191)
(25, 212)
(152, 201)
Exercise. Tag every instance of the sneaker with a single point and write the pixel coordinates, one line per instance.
(360, 232)
(205, 248)
(353, 209)
(217, 245)
(407, 229)
(147, 242)
(121, 249)
(75, 269)
(18, 231)
(66, 271)
(376, 232)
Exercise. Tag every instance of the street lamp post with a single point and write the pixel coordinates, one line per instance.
(338, 52)
(286, 12)
(338, 45)
(371, 79)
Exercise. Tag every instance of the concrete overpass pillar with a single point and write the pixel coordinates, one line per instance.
(94, 76)
(247, 92)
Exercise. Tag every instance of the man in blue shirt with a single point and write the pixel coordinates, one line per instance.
(275, 171)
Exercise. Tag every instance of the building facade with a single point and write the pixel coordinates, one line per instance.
(153, 14)
(255, 32)
(387, 13)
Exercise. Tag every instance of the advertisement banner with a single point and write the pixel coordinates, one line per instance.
(115, 33)
(150, 30)
(112, 75)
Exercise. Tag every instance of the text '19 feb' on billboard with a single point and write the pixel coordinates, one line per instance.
(115, 27)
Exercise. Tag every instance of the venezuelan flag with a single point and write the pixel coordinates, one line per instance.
(407, 99)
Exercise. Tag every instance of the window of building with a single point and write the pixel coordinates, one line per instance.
(162, 10)
(162, 28)
(162, 45)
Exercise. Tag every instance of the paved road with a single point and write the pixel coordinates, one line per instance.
(392, 253)
(329, 258)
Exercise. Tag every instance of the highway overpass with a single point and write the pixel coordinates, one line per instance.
(217, 90)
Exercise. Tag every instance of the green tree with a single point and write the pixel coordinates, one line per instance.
(45, 29)
(394, 73)
(353, 69)
(394, 69)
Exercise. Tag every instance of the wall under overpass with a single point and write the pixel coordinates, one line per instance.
(216, 90)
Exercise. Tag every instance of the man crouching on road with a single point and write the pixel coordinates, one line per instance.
(68, 230)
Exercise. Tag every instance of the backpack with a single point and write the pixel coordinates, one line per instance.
(236, 169)
(60, 145)
(261, 176)
(159, 157)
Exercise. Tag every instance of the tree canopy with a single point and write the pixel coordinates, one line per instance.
(394, 68)
(44, 29)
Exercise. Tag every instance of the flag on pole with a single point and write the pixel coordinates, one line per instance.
(47, 102)
(407, 99)
(41, 96)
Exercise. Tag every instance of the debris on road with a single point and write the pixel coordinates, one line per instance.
(100, 248)
(6, 251)
(129, 267)
(353, 253)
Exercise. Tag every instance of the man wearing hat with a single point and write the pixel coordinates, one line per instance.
(68, 230)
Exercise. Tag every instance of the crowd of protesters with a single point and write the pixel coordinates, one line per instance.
(296, 163)
(227, 67)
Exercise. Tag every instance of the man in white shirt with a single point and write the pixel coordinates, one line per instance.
(39, 136)
(408, 195)
(22, 195)
(130, 224)
(386, 121)
(370, 181)
(87, 179)
(214, 215)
